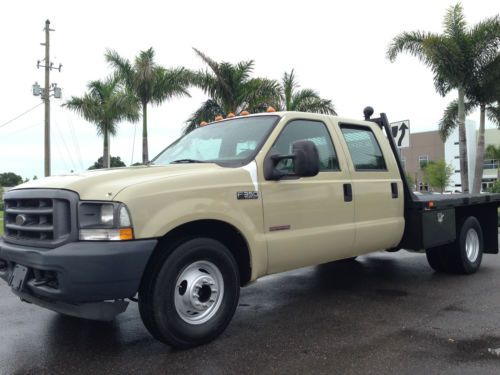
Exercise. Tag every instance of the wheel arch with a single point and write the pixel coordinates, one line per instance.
(487, 216)
(218, 230)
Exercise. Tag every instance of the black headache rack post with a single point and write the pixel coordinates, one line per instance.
(383, 122)
(413, 232)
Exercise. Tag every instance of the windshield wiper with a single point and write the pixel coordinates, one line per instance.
(187, 161)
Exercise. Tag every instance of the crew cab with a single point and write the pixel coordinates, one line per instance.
(222, 206)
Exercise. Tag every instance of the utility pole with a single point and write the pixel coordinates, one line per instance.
(45, 93)
(47, 99)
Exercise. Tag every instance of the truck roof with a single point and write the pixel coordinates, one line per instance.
(305, 115)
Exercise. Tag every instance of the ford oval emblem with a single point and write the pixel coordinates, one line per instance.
(20, 219)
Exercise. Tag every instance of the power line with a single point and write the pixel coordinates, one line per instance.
(74, 138)
(20, 130)
(75, 142)
(64, 143)
(22, 114)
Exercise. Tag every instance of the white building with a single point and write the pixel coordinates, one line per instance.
(452, 156)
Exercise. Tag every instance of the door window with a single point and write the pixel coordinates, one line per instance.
(299, 130)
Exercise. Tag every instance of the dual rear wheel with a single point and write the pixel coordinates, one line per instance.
(464, 256)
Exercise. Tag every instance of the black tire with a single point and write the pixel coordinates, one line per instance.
(457, 258)
(435, 257)
(453, 257)
(158, 290)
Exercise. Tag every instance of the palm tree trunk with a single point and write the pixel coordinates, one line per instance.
(145, 153)
(462, 139)
(105, 149)
(478, 173)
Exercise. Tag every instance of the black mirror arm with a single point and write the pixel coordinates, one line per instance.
(274, 174)
(277, 158)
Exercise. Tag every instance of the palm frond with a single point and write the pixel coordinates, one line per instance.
(219, 69)
(122, 66)
(206, 112)
(449, 121)
(172, 83)
(411, 42)
(485, 39)
(259, 93)
(454, 23)
(289, 85)
(444, 58)
(243, 70)
(493, 113)
(308, 100)
(492, 152)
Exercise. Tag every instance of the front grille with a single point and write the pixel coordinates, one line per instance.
(36, 219)
(30, 219)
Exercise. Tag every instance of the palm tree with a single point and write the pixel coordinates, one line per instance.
(105, 104)
(304, 100)
(493, 152)
(451, 57)
(150, 83)
(483, 90)
(231, 90)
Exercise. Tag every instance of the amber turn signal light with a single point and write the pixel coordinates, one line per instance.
(126, 234)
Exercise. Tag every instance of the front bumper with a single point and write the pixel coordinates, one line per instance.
(84, 271)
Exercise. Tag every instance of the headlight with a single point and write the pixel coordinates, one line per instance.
(107, 221)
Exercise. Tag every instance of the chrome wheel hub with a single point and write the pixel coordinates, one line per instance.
(472, 245)
(198, 292)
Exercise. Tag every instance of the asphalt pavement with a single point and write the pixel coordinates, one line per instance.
(385, 313)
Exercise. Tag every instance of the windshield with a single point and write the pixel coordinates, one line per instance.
(228, 143)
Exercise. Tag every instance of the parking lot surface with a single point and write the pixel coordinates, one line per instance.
(383, 313)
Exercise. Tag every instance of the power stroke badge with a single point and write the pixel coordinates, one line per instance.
(247, 195)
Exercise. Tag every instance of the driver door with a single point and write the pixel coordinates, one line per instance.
(307, 220)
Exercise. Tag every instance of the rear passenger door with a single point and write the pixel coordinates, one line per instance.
(377, 188)
(307, 220)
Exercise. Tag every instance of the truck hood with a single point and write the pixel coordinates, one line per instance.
(105, 184)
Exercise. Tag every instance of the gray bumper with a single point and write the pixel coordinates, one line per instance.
(86, 271)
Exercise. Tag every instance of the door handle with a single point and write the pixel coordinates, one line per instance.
(347, 193)
(394, 189)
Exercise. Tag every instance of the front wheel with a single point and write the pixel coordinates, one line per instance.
(191, 296)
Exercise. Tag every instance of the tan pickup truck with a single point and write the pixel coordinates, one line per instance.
(222, 206)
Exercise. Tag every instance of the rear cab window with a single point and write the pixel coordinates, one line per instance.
(364, 149)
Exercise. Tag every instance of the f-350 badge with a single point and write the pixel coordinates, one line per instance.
(247, 195)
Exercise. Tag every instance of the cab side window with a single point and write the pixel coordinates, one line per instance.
(315, 131)
(365, 151)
